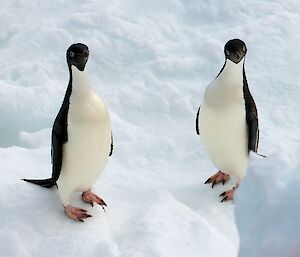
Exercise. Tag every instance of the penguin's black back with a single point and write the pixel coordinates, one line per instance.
(60, 134)
(59, 137)
(251, 116)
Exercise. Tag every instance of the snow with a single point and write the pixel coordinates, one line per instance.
(267, 208)
(150, 61)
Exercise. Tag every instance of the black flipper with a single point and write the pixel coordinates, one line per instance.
(197, 122)
(59, 137)
(111, 145)
(251, 117)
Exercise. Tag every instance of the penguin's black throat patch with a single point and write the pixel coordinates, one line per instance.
(77, 55)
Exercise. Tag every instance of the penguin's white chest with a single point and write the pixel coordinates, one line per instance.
(222, 125)
(89, 138)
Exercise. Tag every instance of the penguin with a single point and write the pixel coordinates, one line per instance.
(227, 120)
(81, 138)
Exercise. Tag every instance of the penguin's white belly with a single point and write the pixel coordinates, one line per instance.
(89, 140)
(223, 131)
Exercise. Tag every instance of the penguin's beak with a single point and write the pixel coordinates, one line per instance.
(82, 60)
(238, 55)
(85, 54)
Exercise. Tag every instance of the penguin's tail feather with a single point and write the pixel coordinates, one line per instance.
(41, 182)
(264, 156)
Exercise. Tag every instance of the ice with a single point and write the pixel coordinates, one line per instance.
(267, 208)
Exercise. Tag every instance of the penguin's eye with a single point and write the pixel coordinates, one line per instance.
(244, 48)
(86, 53)
(227, 52)
(72, 54)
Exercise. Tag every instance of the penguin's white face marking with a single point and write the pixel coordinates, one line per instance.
(77, 55)
(235, 50)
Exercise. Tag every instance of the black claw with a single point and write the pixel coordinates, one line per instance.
(207, 181)
(88, 216)
(83, 210)
(223, 181)
(224, 199)
(80, 219)
(102, 205)
(213, 184)
(223, 194)
(91, 202)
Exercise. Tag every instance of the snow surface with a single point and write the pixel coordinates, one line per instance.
(268, 208)
(150, 62)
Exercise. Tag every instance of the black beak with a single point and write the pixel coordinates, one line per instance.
(84, 54)
(238, 56)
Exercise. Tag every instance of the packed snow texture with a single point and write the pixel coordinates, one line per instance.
(150, 61)
(268, 208)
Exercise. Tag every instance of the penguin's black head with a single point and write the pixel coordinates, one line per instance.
(235, 50)
(77, 55)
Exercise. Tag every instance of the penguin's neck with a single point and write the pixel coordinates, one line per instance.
(232, 74)
(80, 81)
(227, 88)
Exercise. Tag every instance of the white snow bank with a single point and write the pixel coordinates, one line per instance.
(268, 208)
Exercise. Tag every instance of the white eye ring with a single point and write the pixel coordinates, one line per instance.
(72, 54)
(227, 52)
(244, 48)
